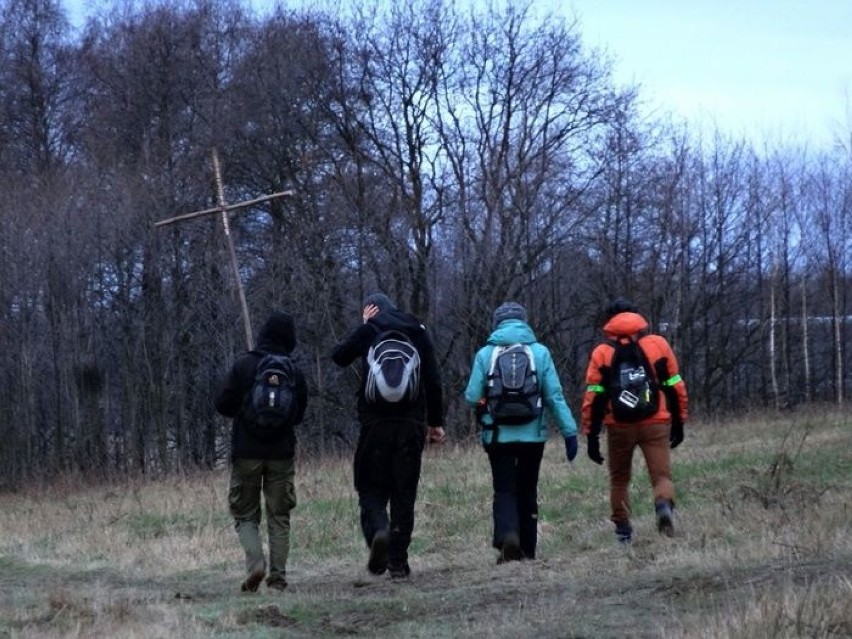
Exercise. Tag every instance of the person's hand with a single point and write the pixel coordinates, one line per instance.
(437, 435)
(481, 410)
(593, 447)
(571, 447)
(676, 434)
(369, 312)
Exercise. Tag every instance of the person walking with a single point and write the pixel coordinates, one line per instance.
(399, 400)
(634, 388)
(266, 395)
(514, 389)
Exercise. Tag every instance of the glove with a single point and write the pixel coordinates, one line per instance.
(676, 434)
(571, 447)
(481, 411)
(593, 446)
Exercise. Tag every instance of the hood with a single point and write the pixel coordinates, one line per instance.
(382, 301)
(395, 319)
(625, 324)
(512, 331)
(278, 334)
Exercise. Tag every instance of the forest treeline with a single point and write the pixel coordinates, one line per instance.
(452, 157)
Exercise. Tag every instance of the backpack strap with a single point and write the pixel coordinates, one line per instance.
(528, 350)
(494, 427)
(495, 353)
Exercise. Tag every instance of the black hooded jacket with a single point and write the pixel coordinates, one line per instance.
(430, 402)
(277, 336)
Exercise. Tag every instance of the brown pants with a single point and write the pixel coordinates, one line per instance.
(653, 440)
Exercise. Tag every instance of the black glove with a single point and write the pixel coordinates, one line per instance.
(676, 434)
(593, 445)
(571, 447)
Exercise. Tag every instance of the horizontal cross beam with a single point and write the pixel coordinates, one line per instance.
(222, 209)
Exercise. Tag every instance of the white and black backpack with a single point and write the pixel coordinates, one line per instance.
(393, 370)
(513, 391)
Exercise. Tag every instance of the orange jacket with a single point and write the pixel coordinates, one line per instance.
(656, 349)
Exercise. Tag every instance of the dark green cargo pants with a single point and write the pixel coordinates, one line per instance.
(275, 478)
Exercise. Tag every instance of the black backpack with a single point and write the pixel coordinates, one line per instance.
(272, 403)
(632, 386)
(513, 391)
(393, 370)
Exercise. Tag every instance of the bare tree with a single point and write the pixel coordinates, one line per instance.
(830, 213)
(453, 158)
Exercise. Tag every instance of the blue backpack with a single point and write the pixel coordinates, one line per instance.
(272, 404)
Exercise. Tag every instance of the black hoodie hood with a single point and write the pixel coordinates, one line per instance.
(395, 319)
(382, 301)
(278, 334)
(390, 317)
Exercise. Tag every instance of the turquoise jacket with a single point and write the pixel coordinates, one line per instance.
(513, 331)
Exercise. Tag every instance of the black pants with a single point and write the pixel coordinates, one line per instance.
(514, 474)
(387, 470)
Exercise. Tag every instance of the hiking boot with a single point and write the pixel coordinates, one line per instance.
(511, 549)
(278, 584)
(665, 525)
(378, 562)
(623, 532)
(254, 578)
(399, 571)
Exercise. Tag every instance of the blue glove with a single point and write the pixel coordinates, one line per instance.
(571, 447)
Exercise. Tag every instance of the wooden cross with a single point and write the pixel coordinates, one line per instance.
(224, 209)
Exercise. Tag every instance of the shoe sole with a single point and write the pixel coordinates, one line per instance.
(252, 582)
(665, 526)
(378, 562)
(624, 532)
(400, 574)
(511, 550)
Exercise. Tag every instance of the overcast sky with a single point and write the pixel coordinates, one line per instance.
(766, 69)
(761, 68)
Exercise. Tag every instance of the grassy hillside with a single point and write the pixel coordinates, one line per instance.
(764, 549)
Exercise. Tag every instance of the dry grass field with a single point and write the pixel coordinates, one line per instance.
(764, 549)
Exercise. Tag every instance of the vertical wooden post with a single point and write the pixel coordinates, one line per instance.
(226, 225)
(224, 209)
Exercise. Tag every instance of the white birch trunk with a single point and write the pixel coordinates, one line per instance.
(772, 349)
(806, 355)
(838, 347)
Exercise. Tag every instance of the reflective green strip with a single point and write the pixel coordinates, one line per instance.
(595, 388)
(671, 381)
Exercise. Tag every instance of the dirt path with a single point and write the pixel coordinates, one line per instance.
(538, 599)
(542, 599)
